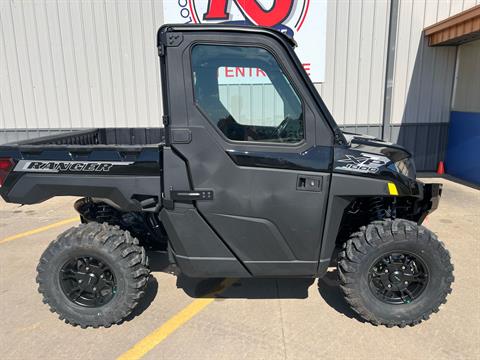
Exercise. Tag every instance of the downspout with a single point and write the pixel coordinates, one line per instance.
(390, 66)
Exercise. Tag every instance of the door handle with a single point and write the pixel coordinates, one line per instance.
(187, 195)
(309, 183)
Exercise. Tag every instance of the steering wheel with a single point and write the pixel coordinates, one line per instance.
(282, 128)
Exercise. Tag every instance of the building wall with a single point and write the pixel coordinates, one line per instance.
(77, 64)
(423, 76)
(467, 89)
(357, 34)
(422, 81)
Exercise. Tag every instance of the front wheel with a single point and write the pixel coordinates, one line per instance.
(93, 275)
(395, 273)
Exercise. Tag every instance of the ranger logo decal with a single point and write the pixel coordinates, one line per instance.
(367, 163)
(66, 166)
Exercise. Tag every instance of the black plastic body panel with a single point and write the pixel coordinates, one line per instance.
(123, 191)
(429, 200)
(343, 190)
(317, 158)
(198, 251)
(81, 163)
(375, 159)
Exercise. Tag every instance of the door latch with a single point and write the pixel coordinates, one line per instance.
(310, 183)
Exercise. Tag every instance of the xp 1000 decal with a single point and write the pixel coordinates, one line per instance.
(366, 163)
(303, 20)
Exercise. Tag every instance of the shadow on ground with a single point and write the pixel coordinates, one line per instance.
(253, 288)
(147, 299)
(247, 288)
(158, 262)
(329, 289)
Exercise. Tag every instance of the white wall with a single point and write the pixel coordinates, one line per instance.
(357, 34)
(72, 64)
(467, 88)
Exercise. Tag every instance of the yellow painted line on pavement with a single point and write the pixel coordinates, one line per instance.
(40, 229)
(148, 343)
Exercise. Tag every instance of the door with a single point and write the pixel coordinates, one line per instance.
(257, 141)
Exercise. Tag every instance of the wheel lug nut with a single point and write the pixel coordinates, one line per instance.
(406, 282)
(403, 267)
(386, 270)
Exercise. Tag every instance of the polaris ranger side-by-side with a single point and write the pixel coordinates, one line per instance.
(251, 178)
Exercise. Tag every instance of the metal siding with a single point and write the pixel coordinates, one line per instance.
(78, 64)
(355, 77)
(355, 60)
(423, 76)
(467, 89)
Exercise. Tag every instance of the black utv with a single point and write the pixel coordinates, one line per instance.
(245, 180)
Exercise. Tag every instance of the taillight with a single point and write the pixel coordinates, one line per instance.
(6, 166)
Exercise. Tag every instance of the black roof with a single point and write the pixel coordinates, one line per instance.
(226, 27)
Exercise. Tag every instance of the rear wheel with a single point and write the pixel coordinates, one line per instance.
(395, 273)
(93, 275)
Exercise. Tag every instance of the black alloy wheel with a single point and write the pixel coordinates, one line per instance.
(394, 272)
(93, 275)
(398, 278)
(87, 281)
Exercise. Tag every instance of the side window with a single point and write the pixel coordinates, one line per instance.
(244, 92)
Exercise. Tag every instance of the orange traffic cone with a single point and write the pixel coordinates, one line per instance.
(440, 168)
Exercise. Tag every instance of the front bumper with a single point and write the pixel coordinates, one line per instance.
(429, 200)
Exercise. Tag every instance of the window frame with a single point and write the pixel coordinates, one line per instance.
(285, 73)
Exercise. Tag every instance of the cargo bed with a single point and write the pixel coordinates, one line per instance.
(94, 137)
(119, 164)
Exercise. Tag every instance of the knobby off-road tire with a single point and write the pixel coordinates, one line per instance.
(112, 248)
(369, 246)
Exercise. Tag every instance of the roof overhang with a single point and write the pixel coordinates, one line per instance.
(455, 30)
